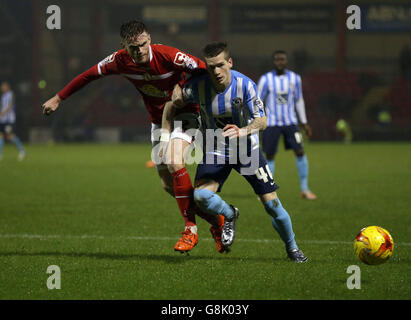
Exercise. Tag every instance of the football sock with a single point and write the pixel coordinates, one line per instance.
(183, 193)
(281, 222)
(1, 145)
(210, 218)
(271, 166)
(18, 143)
(211, 202)
(193, 229)
(302, 167)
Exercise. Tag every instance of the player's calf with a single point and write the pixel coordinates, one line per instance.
(281, 222)
(211, 202)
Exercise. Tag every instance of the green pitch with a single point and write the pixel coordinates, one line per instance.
(102, 217)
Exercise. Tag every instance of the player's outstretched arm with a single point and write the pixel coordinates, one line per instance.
(51, 105)
(105, 67)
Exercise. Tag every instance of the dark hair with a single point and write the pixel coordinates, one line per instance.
(215, 48)
(278, 52)
(132, 28)
(6, 83)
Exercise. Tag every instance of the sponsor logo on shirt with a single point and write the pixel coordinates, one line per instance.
(282, 98)
(258, 104)
(152, 91)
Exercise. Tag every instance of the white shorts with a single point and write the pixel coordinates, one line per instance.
(182, 122)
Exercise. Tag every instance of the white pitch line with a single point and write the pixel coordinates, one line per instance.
(99, 237)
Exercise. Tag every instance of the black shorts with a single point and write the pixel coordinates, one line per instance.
(7, 128)
(261, 180)
(293, 139)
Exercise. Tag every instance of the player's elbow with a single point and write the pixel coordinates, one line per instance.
(177, 97)
(177, 102)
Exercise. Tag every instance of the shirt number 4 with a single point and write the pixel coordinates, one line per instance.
(263, 173)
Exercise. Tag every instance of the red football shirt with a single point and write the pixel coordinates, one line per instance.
(155, 80)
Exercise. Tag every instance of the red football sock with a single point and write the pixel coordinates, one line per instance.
(211, 219)
(183, 192)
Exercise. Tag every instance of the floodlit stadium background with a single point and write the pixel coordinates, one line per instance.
(362, 76)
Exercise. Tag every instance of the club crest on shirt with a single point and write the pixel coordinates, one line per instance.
(237, 102)
(105, 61)
(184, 60)
(108, 59)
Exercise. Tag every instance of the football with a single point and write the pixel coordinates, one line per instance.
(373, 245)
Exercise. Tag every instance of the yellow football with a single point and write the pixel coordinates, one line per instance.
(373, 245)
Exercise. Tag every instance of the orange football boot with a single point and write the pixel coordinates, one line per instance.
(187, 242)
(216, 233)
(150, 164)
(308, 195)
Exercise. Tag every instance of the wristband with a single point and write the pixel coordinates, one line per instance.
(165, 137)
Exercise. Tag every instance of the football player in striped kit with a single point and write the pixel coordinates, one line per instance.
(281, 91)
(232, 114)
(8, 119)
(154, 70)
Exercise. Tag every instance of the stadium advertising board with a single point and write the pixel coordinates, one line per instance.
(386, 18)
(282, 18)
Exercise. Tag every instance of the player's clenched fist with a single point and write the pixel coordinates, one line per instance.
(51, 105)
(232, 131)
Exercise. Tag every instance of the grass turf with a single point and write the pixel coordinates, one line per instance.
(100, 215)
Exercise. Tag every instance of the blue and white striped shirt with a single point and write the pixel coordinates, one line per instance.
(6, 99)
(238, 104)
(282, 96)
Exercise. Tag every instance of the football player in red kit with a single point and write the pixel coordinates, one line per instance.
(154, 70)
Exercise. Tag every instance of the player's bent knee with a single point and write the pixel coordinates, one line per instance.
(174, 167)
(168, 188)
(270, 157)
(201, 196)
(299, 153)
(268, 197)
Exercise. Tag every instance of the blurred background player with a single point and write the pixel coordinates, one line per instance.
(281, 91)
(8, 120)
(228, 100)
(154, 70)
(344, 128)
